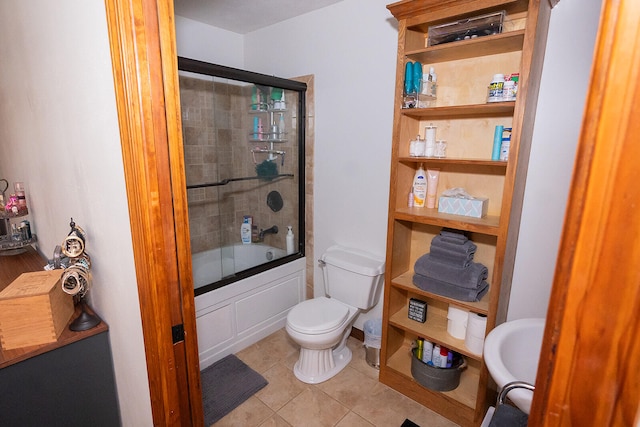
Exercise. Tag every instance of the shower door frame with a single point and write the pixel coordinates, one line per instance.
(239, 75)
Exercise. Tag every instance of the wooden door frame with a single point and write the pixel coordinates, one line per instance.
(578, 328)
(588, 372)
(144, 57)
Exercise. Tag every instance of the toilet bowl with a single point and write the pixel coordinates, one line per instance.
(322, 325)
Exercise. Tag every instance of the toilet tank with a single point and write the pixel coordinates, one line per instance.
(352, 276)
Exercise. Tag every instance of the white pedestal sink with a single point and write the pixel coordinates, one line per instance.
(511, 352)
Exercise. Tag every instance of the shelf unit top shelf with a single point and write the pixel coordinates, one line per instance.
(490, 109)
(482, 46)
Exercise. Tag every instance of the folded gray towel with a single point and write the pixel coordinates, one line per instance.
(452, 232)
(470, 276)
(453, 236)
(466, 247)
(447, 256)
(448, 290)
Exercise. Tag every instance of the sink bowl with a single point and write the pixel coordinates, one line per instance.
(512, 352)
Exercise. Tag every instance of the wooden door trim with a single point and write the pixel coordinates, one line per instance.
(588, 366)
(144, 61)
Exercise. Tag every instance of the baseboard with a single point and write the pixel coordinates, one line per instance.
(357, 334)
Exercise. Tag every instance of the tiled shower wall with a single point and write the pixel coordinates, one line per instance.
(217, 123)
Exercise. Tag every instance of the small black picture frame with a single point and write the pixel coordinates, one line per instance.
(417, 310)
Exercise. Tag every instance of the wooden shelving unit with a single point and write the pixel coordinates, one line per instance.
(467, 122)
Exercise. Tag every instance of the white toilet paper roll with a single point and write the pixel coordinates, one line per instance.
(474, 345)
(457, 322)
(458, 314)
(476, 327)
(457, 329)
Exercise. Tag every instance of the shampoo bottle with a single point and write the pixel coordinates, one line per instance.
(419, 187)
(245, 230)
(290, 241)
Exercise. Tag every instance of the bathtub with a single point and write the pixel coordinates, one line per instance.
(233, 317)
(215, 264)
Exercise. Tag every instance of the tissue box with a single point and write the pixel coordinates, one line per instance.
(476, 208)
(34, 310)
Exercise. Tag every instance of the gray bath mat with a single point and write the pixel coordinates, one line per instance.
(225, 385)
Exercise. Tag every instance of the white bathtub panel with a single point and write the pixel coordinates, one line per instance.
(263, 299)
(215, 328)
(252, 310)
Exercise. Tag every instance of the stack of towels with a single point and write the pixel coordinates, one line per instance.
(449, 270)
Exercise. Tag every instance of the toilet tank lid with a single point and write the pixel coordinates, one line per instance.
(355, 260)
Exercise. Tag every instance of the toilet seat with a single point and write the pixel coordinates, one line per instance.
(317, 316)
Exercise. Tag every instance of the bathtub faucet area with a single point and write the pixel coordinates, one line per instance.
(272, 230)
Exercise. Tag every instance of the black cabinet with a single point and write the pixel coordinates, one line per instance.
(72, 385)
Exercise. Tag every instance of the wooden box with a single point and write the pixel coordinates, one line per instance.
(34, 310)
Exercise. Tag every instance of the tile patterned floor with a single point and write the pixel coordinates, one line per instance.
(353, 398)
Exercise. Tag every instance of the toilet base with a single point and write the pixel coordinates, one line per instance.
(316, 366)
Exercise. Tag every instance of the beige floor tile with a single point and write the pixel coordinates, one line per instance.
(251, 413)
(268, 351)
(427, 417)
(348, 387)
(283, 386)
(386, 407)
(353, 398)
(275, 421)
(313, 408)
(354, 420)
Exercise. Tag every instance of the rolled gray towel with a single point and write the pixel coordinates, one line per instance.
(470, 276)
(466, 247)
(448, 290)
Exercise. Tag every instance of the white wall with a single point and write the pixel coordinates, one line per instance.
(210, 44)
(350, 47)
(564, 83)
(354, 69)
(60, 136)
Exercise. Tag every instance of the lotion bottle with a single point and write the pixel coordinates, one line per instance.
(420, 187)
(290, 240)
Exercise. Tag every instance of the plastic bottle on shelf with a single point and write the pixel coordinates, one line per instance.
(427, 351)
(290, 240)
(506, 144)
(435, 357)
(509, 91)
(495, 88)
(281, 127)
(420, 187)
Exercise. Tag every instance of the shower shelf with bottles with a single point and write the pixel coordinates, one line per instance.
(268, 101)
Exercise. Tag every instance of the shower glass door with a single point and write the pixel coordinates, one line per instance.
(243, 136)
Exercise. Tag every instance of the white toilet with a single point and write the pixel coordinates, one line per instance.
(353, 282)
